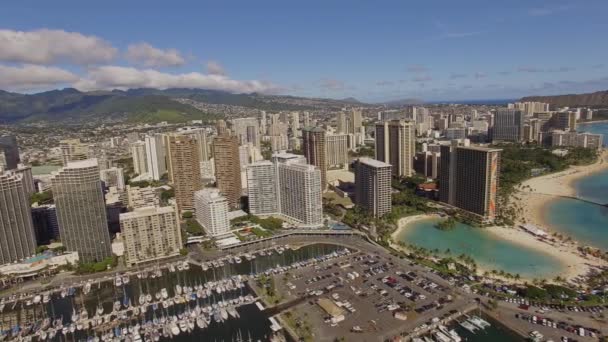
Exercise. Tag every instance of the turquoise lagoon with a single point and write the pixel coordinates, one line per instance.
(489, 251)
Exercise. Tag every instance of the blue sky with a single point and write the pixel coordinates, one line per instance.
(371, 50)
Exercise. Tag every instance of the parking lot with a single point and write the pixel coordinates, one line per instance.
(378, 296)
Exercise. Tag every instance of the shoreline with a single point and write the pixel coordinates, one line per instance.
(538, 193)
(573, 264)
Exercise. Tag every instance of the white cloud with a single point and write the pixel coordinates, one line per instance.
(30, 77)
(417, 68)
(215, 68)
(53, 46)
(118, 77)
(149, 56)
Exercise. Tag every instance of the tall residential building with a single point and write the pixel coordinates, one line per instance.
(508, 125)
(81, 210)
(17, 238)
(373, 186)
(246, 130)
(300, 195)
(427, 163)
(46, 228)
(315, 149)
(262, 188)
(294, 123)
(565, 121)
(306, 119)
(395, 145)
(576, 139)
(142, 197)
(351, 123)
(150, 233)
(228, 168)
(155, 156)
(529, 108)
(73, 150)
(337, 150)
(113, 176)
(185, 169)
(469, 178)
(212, 211)
(140, 158)
(8, 145)
(263, 123)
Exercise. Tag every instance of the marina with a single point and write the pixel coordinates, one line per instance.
(158, 302)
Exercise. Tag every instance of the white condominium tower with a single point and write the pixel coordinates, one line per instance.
(395, 145)
(212, 211)
(140, 160)
(300, 194)
(155, 156)
(150, 233)
(81, 210)
(262, 188)
(17, 240)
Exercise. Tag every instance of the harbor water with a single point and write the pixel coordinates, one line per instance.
(252, 324)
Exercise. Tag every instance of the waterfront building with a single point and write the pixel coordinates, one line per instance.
(185, 169)
(299, 190)
(212, 211)
(315, 149)
(469, 178)
(228, 168)
(17, 238)
(150, 233)
(575, 139)
(373, 186)
(565, 121)
(262, 188)
(155, 156)
(81, 210)
(508, 125)
(395, 145)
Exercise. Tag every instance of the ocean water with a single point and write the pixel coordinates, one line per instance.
(584, 222)
(487, 250)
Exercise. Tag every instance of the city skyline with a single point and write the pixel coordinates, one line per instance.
(463, 51)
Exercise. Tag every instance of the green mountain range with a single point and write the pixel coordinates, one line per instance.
(140, 105)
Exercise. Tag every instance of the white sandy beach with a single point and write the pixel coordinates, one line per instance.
(536, 193)
(574, 264)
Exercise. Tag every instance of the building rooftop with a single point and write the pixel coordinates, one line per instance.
(82, 163)
(481, 148)
(373, 162)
